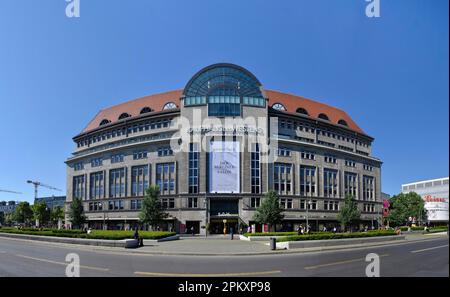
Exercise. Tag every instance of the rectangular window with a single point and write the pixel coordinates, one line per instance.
(224, 106)
(115, 205)
(330, 184)
(136, 204)
(96, 162)
(95, 206)
(286, 203)
(368, 188)
(330, 159)
(302, 204)
(78, 187)
(312, 204)
(255, 169)
(284, 152)
(165, 151)
(138, 155)
(97, 185)
(193, 168)
(255, 202)
(139, 180)
(78, 166)
(350, 163)
(308, 155)
(282, 179)
(368, 167)
(168, 202)
(307, 181)
(117, 182)
(165, 178)
(117, 158)
(351, 184)
(192, 202)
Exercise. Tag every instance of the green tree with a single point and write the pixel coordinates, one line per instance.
(56, 214)
(270, 211)
(404, 206)
(152, 212)
(9, 219)
(76, 213)
(2, 218)
(23, 213)
(349, 213)
(41, 212)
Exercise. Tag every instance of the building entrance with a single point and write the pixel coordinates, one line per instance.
(223, 226)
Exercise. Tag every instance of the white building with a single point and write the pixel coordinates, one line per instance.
(435, 194)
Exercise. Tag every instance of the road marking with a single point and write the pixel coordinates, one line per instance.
(206, 274)
(429, 249)
(62, 263)
(338, 263)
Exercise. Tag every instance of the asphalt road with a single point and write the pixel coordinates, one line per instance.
(28, 258)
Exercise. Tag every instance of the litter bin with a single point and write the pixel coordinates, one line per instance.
(273, 243)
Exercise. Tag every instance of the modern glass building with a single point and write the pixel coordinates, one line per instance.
(435, 194)
(215, 148)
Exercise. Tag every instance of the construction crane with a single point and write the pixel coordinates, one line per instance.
(7, 191)
(39, 184)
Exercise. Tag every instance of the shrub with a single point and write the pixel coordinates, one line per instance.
(325, 236)
(95, 234)
(270, 234)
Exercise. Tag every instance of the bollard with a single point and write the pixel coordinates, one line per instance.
(273, 243)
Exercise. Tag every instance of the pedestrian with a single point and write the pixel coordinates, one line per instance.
(324, 228)
(192, 230)
(299, 230)
(334, 229)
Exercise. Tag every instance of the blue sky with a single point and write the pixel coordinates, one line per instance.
(390, 74)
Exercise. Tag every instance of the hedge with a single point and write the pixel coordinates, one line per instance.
(95, 234)
(325, 236)
(270, 234)
(280, 233)
(421, 228)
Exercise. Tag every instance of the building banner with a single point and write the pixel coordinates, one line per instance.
(224, 167)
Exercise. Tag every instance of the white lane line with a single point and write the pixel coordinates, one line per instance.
(62, 263)
(338, 263)
(429, 249)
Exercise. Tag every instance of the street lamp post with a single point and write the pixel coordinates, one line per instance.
(307, 213)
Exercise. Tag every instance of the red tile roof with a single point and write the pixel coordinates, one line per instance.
(157, 102)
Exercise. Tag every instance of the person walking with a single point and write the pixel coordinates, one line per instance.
(192, 231)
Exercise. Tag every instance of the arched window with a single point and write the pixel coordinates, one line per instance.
(279, 106)
(124, 116)
(169, 105)
(323, 117)
(146, 110)
(342, 122)
(224, 87)
(302, 111)
(104, 122)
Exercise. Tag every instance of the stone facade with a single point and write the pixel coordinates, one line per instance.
(295, 133)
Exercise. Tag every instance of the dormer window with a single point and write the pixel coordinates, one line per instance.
(170, 105)
(302, 111)
(279, 107)
(146, 110)
(104, 122)
(124, 116)
(323, 117)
